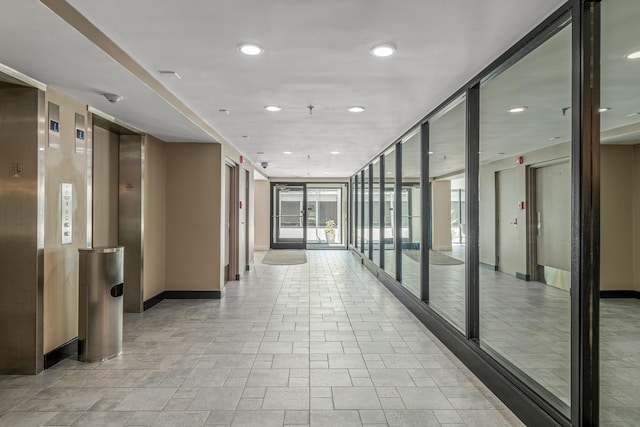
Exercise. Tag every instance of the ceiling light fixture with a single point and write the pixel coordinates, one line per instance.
(355, 109)
(272, 108)
(603, 109)
(430, 152)
(287, 152)
(112, 97)
(383, 50)
(250, 49)
(169, 73)
(518, 109)
(633, 55)
(335, 152)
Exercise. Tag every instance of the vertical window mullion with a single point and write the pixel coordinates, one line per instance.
(472, 282)
(425, 212)
(398, 210)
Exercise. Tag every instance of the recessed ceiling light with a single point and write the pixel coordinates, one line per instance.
(383, 50)
(518, 109)
(355, 109)
(430, 152)
(287, 152)
(335, 152)
(272, 108)
(633, 55)
(250, 49)
(603, 109)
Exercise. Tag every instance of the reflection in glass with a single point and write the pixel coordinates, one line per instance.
(389, 212)
(525, 217)
(358, 212)
(353, 216)
(411, 203)
(375, 224)
(367, 219)
(620, 215)
(447, 248)
(324, 205)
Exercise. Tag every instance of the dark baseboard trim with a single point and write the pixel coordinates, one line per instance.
(489, 266)
(192, 294)
(152, 301)
(523, 276)
(620, 294)
(59, 354)
(522, 399)
(237, 277)
(181, 295)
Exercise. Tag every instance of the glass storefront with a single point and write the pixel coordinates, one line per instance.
(508, 210)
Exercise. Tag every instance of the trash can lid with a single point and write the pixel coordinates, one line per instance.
(102, 249)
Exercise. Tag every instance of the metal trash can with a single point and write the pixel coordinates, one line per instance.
(100, 305)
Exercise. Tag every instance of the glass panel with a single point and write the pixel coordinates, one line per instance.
(288, 214)
(366, 223)
(324, 216)
(389, 215)
(358, 212)
(352, 215)
(411, 224)
(620, 215)
(447, 249)
(525, 218)
(376, 212)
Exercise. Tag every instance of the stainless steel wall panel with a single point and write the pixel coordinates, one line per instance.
(131, 218)
(22, 136)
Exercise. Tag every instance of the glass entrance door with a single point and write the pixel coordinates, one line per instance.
(288, 216)
(326, 216)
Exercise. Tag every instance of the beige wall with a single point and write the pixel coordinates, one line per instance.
(194, 217)
(441, 215)
(155, 181)
(263, 215)
(619, 224)
(61, 261)
(105, 187)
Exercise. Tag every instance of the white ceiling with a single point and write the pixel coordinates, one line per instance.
(316, 52)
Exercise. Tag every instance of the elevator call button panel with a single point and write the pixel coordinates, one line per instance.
(66, 220)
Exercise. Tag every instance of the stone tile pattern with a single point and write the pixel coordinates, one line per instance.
(322, 344)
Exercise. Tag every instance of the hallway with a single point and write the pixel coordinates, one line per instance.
(323, 343)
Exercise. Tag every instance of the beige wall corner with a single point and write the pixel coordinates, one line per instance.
(262, 216)
(155, 181)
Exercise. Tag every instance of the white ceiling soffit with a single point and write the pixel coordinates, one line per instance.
(316, 53)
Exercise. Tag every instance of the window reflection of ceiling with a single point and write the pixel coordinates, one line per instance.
(620, 77)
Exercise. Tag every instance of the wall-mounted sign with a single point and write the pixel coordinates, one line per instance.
(80, 142)
(66, 211)
(54, 125)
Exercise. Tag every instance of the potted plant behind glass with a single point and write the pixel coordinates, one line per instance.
(330, 231)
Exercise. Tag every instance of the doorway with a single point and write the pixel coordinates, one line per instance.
(309, 215)
(552, 224)
(288, 216)
(509, 222)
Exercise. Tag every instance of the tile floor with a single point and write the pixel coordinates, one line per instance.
(322, 344)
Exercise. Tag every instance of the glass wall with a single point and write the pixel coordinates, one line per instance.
(367, 213)
(525, 216)
(358, 211)
(375, 223)
(411, 221)
(389, 212)
(447, 143)
(620, 214)
(511, 291)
